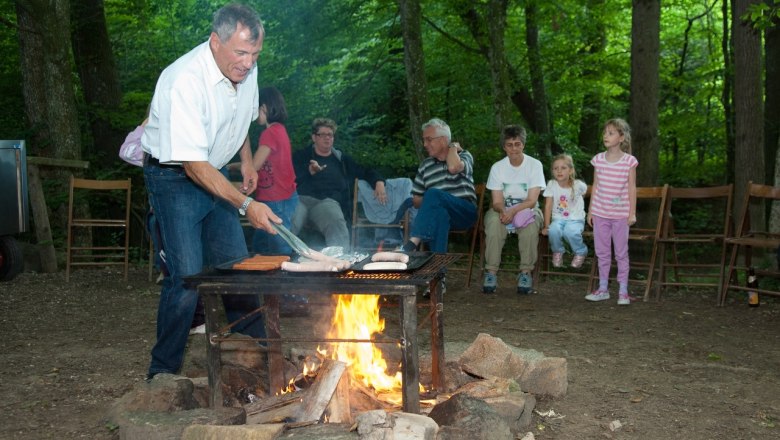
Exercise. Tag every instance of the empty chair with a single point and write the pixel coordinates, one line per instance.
(750, 236)
(110, 235)
(693, 241)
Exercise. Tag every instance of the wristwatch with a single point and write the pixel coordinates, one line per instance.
(244, 206)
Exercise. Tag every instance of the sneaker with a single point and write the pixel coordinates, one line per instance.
(623, 299)
(198, 330)
(577, 261)
(557, 259)
(598, 295)
(525, 284)
(490, 283)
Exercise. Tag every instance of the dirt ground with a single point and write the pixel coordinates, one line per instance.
(681, 368)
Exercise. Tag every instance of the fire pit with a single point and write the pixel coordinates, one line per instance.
(211, 284)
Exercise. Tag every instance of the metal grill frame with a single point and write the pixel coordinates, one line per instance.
(212, 284)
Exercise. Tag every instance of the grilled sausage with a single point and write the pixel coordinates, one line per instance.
(385, 265)
(399, 257)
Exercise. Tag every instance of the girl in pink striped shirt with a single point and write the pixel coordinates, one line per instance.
(613, 207)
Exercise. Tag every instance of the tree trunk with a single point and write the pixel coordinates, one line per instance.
(98, 74)
(772, 84)
(748, 109)
(643, 110)
(50, 103)
(774, 217)
(728, 87)
(543, 121)
(496, 24)
(414, 62)
(589, 137)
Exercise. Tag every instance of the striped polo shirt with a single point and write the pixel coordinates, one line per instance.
(610, 198)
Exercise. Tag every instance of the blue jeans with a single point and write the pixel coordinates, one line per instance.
(569, 231)
(197, 230)
(439, 212)
(267, 244)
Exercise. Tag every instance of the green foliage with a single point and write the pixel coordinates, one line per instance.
(344, 60)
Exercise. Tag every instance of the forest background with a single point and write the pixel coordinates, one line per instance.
(696, 79)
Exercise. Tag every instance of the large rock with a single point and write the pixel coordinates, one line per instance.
(379, 425)
(243, 432)
(464, 417)
(171, 426)
(517, 409)
(489, 357)
(164, 393)
(546, 377)
(506, 398)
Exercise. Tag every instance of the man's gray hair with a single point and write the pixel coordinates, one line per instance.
(227, 18)
(442, 129)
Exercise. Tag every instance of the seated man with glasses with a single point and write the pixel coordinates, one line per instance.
(443, 190)
(324, 176)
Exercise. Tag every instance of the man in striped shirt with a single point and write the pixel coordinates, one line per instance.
(443, 189)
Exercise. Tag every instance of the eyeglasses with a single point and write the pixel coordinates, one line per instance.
(325, 135)
(430, 139)
(513, 144)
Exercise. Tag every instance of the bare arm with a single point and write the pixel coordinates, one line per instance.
(632, 196)
(260, 156)
(592, 193)
(454, 164)
(417, 201)
(548, 202)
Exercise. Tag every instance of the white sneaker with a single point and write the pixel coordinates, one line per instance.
(623, 299)
(598, 295)
(199, 330)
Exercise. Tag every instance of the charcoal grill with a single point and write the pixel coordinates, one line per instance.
(213, 283)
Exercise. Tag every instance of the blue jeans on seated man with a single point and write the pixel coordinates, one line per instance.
(569, 231)
(267, 244)
(198, 230)
(438, 214)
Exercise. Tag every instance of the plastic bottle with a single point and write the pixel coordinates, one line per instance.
(752, 283)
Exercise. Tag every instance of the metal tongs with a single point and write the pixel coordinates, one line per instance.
(295, 243)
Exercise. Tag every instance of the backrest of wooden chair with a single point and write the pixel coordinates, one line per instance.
(99, 185)
(712, 197)
(754, 193)
(656, 195)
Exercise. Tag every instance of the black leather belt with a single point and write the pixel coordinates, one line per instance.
(151, 160)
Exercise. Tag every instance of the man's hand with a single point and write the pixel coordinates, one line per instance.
(249, 173)
(261, 217)
(314, 167)
(379, 193)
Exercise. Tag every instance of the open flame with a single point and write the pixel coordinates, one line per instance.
(357, 317)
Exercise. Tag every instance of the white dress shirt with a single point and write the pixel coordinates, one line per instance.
(196, 114)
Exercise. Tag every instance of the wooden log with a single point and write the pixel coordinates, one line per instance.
(338, 409)
(41, 219)
(57, 163)
(276, 409)
(319, 395)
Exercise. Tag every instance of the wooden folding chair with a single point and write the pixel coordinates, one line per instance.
(748, 236)
(693, 239)
(472, 233)
(360, 222)
(544, 266)
(90, 253)
(650, 200)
